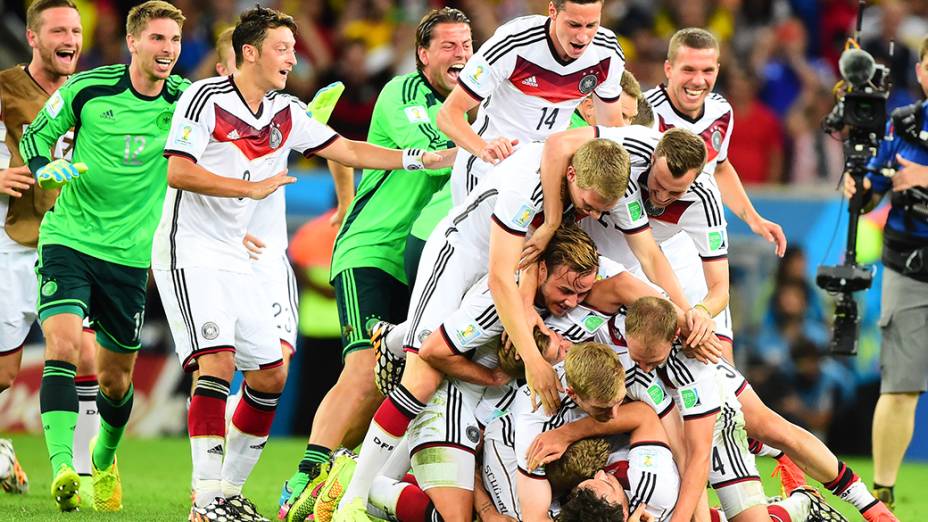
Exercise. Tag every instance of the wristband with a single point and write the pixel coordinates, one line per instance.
(412, 159)
(704, 307)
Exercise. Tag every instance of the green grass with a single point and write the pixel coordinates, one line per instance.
(156, 482)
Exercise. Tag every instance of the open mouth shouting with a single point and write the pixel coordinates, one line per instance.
(454, 71)
(163, 64)
(66, 56)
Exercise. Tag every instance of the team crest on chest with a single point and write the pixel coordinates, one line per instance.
(276, 137)
(716, 139)
(588, 83)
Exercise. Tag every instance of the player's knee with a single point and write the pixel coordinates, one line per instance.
(62, 345)
(7, 376)
(271, 380)
(114, 382)
(220, 365)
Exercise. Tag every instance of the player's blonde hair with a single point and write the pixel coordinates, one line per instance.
(509, 360)
(692, 37)
(580, 462)
(683, 150)
(645, 114)
(595, 373)
(630, 85)
(602, 166)
(651, 319)
(33, 14)
(140, 15)
(224, 45)
(573, 248)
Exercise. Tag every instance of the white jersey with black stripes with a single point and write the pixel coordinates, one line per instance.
(527, 92)
(714, 125)
(214, 127)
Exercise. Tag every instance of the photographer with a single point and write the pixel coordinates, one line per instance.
(904, 309)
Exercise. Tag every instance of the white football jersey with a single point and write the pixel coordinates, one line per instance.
(269, 223)
(213, 127)
(698, 213)
(526, 91)
(714, 125)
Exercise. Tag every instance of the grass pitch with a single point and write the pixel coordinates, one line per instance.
(156, 482)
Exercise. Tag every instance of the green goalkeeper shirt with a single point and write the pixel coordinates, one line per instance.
(373, 234)
(111, 211)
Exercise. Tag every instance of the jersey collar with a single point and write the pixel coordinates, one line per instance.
(551, 47)
(702, 112)
(426, 81)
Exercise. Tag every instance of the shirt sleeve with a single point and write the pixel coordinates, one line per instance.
(885, 157)
(491, 65)
(192, 125)
(704, 222)
(609, 90)
(474, 323)
(520, 197)
(309, 136)
(698, 391)
(723, 149)
(54, 120)
(405, 121)
(628, 215)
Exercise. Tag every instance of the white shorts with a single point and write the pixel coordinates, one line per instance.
(443, 440)
(687, 265)
(499, 476)
(445, 274)
(732, 471)
(275, 276)
(19, 291)
(467, 171)
(211, 311)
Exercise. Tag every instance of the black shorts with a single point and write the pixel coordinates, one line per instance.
(110, 295)
(364, 297)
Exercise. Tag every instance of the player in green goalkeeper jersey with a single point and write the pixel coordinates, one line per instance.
(367, 265)
(95, 245)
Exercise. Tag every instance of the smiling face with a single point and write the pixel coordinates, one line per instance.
(156, 48)
(573, 27)
(276, 57)
(562, 289)
(57, 40)
(691, 76)
(449, 49)
(663, 187)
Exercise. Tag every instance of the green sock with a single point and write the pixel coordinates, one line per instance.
(113, 418)
(58, 404)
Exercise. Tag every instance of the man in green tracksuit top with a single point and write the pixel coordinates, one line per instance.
(367, 265)
(95, 244)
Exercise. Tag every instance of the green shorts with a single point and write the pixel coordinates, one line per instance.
(110, 295)
(364, 297)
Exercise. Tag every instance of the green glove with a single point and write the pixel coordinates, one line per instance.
(58, 172)
(322, 104)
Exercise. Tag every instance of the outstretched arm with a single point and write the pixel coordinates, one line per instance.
(735, 198)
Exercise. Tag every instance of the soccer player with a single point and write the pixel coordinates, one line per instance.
(527, 79)
(53, 30)
(95, 246)
(456, 256)
(368, 262)
(229, 143)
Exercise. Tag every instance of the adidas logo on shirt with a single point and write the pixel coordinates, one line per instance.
(108, 115)
(530, 81)
(233, 135)
(215, 450)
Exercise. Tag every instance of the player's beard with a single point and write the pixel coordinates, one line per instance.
(51, 64)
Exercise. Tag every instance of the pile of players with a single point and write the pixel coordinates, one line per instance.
(599, 251)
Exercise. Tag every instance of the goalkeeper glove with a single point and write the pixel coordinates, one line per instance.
(58, 172)
(322, 104)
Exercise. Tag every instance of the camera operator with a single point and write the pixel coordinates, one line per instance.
(904, 307)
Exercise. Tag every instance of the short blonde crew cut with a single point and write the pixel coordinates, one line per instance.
(140, 15)
(602, 166)
(595, 373)
(651, 319)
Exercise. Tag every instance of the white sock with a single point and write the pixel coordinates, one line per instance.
(384, 495)
(231, 404)
(797, 505)
(397, 410)
(207, 468)
(769, 451)
(243, 452)
(394, 339)
(858, 495)
(88, 425)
